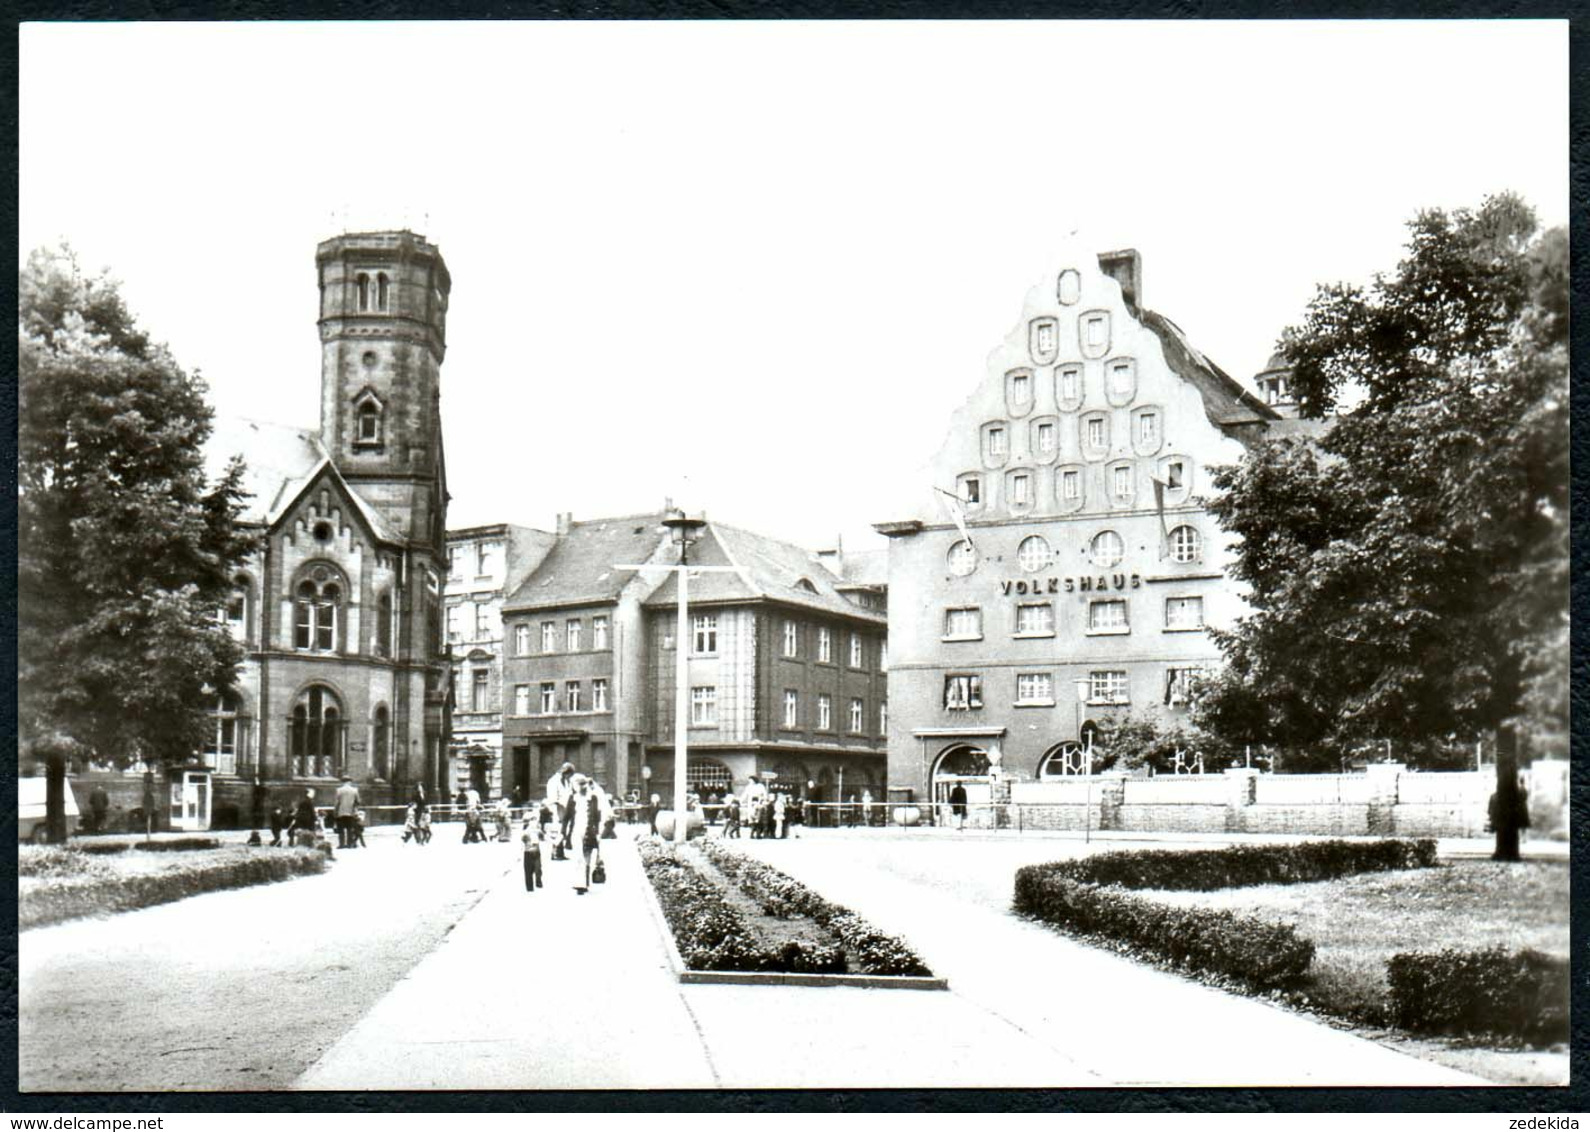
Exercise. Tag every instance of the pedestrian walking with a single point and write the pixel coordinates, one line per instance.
(260, 797)
(411, 824)
(586, 816)
(278, 823)
(560, 788)
(958, 805)
(98, 805)
(531, 840)
(358, 831)
(652, 810)
(731, 817)
(781, 815)
(504, 820)
(347, 806)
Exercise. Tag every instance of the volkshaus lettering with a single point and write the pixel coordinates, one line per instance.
(1021, 586)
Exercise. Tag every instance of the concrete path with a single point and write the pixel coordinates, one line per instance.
(581, 996)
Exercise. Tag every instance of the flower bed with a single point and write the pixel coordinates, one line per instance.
(782, 895)
(56, 884)
(713, 935)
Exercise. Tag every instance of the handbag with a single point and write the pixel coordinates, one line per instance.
(599, 872)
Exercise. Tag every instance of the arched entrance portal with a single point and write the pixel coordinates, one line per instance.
(964, 764)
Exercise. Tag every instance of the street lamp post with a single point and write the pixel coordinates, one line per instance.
(683, 528)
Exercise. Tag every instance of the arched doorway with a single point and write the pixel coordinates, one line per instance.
(967, 766)
(706, 777)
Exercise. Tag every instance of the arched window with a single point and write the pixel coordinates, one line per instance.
(1034, 553)
(380, 291)
(315, 733)
(1106, 549)
(363, 282)
(1185, 544)
(381, 742)
(383, 626)
(317, 608)
(962, 558)
(222, 738)
(1064, 759)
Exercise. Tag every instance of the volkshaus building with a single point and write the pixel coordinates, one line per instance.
(1055, 566)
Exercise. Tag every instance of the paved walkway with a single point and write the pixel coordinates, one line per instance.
(559, 991)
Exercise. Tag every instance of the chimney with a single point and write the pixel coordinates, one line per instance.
(565, 522)
(1126, 268)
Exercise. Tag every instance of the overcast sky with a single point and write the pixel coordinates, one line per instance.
(754, 267)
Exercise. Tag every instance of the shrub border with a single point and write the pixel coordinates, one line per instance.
(764, 978)
(75, 900)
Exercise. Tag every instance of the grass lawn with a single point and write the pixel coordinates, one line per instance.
(1359, 922)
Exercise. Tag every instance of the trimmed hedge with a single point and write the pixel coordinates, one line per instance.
(1495, 991)
(58, 861)
(162, 845)
(711, 933)
(1242, 866)
(782, 895)
(69, 898)
(1264, 955)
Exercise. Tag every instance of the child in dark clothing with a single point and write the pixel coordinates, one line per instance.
(532, 858)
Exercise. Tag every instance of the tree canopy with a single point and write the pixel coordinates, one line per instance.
(125, 554)
(1409, 565)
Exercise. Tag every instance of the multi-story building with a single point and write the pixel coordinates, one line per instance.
(785, 672)
(1060, 567)
(483, 565)
(340, 609)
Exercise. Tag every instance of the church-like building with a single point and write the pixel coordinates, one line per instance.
(340, 609)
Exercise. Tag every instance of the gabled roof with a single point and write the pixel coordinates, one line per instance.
(1226, 400)
(766, 569)
(580, 568)
(280, 461)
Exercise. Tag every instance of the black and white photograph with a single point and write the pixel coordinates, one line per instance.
(792, 555)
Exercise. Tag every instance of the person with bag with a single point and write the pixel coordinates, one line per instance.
(585, 830)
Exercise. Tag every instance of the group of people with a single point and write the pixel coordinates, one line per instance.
(302, 824)
(768, 813)
(577, 814)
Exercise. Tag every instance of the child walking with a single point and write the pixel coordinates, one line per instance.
(532, 858)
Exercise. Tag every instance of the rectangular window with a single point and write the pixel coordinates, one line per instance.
(571, 694)
(521, 699)
(549, 698)
(1071, 485)
(973, 490)
(1046, 439)
(1045, 340)
(1123, 482)
(1035, 620)
(599, 632)
(482, 621)
(996, 442)
(521, 640)
(485, 558)
(455, 623)
(792, 707)
(825, 711)
(1107, 688)
(825, 646)
(1021, 490)
(703, 707)
(598, 695)
(792, 639)
(1021, 384)
(963, 624)
(883, 717)
(455, 555)
(1184, 613)
(963, 693)
(1097, 335)
(858, 712)
(883, 656)
(1070, 384)
(1181, 685)
(549, 636)
(1035, 688)
(1096, 432)
(706, 634)
(1107, 616)
(1148, 428)
(574, 630)
(1174, 475)
(478, 690)
(855, 650)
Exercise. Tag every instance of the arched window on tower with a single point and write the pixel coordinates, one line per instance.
(370, 431)
(383, 628)
(381, 289)
(315, 733)
(362, 281)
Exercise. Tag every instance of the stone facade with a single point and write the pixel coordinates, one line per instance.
(1059, 537)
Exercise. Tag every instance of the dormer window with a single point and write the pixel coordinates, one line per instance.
(369, 421)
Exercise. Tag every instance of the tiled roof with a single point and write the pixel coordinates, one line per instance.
(1226, 400)
(767, 569)
(580, 567)
(865, 568)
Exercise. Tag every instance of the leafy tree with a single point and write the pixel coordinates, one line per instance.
(1409, 567)
(1135, 740)
(124, 553)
